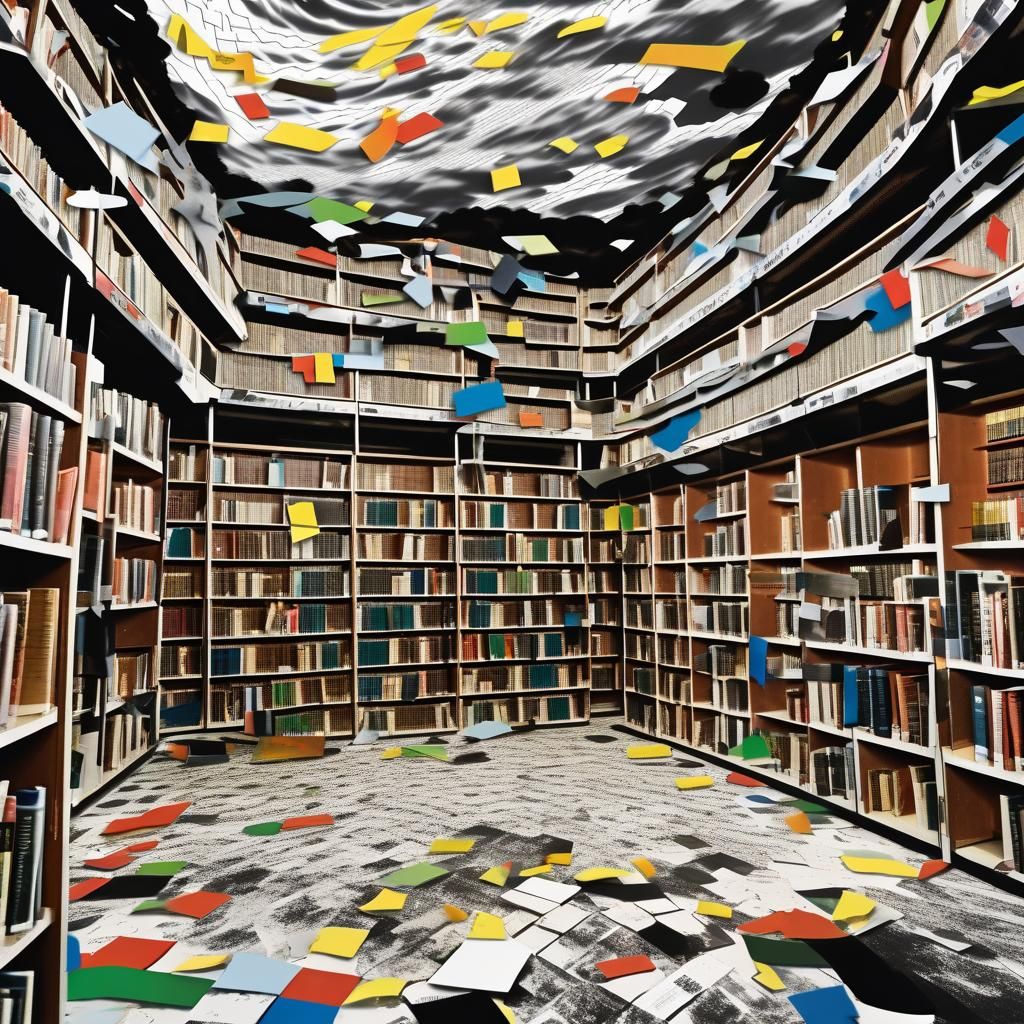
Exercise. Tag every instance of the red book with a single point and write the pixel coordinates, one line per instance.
(95, 496)
(67, 480)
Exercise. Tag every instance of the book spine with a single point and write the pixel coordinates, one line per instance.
(26, 873)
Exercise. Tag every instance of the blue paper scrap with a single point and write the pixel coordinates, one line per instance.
(249, 972)
(758, 659)
(123, 129)
(74, 953)
(676, 431)
(885, 317)
(825, 1006)
(299, 1011)
(479, 398)
(487, 730)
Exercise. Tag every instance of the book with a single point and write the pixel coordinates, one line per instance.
(42, 628)
(24, 903)
(8, 645)
(979, 723)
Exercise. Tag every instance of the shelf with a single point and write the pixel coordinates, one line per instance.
(989, 855)
(135, 458)
(864, 736)
(871, 652)
(129, 531)
(703, 705)
(109, 776)
(22, 726)
(991, 545)
(39, 399)
(12, 946)
(906, 823)
(35, 547)
(781, 716)
(951, 757)
(870, 551)
(988, 670)
(540, 691)
(138, 606)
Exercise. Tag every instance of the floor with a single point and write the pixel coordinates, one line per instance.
(572, 783)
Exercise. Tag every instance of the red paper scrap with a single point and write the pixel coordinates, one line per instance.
(416, 127)
(146, 844)
(797, 348)
(111, 862)
(897, 287)
(196, 904)
(625, 965)
(310, 821)
(311, 252)
(794, 924)
(253, 106)
(531, 419)
(955, 267)
(128, 952)
(738, 779)
(411, 62)
(306, 366)
(326, 987)
(82, 889)
(997, 237)
(933, 867)
(157, 817)
(627, 94)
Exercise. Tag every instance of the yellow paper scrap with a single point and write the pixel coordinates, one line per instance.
(506, 1011)
(365, 204)
(487, 926)
(377, 988)
(496, 875)
(565, 144)
(189, 41)
(564, 859)
(453, 913)
(344, 942)
(395, 39)
(641, 751)
(768, 978)
(742, 154)
(609, 147)
(478, 27)
(388, 70)
(837, 35)
(451, 25)
(359, 35)
(390, 112)
(514, 329)
(598, 874)
(644, 866)
(686, 55)
(208, 131)
(494, 59)
(878, 866)
(990, 92)
(386, 899)
(202, 963)
(302, 517)
(711, 909)
(509, 20)
(298, 136)
(391, 753)
(323, 368)
(505, 177)
(537, 245)
(852, 904)
(695, 782)
(586, 25)
(540, 869)
(452, 845)
(611, 517)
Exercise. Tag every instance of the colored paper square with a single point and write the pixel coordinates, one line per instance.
(196, 904)
(472, 333)
(317, 255)
(342, 942)
(125, 951)
(676, 431)
(503, 178)
(897, 287)
(327, 987)
(531, 419)
(209, 131)
(416, 127)
(165, 868)
(479, 398)
(252, 106)
(249, 972)
(323, 368)
(309, 821)
(298, 136)
(413, 876)
(626, 965)
(997, 237)
(111, 862)
(154, 818)
(410, 62)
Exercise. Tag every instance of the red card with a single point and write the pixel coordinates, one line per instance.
(325, 987)
(531, 419)
(328, 259)
(146, 844)
(412, 62)
(311, 821)
(625, 965)
(196, 904)
(794, 924)
(253, 106)
(155, 818)
(306, 366)
(997, 237)
(111, 862)
(933, 867)
(415, 127)
(625, 95)
(82, 889)
(897, 287)
(128, 952)
(737, 779)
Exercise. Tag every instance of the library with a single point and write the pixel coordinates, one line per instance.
(511, 515)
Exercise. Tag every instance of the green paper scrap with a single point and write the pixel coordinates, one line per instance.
(165, 868)
(472, 333)
(626, 517)
(826, 903)
(412, 876)
(933, 11)
(782, 952)
(321, 209)
(380, 300)
(426, 750)
(265, 828)
(132, 985)
(807, 806)
(751, 747)
(149, 905)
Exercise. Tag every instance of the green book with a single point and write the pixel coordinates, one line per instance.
(497, 515)
(496, 645)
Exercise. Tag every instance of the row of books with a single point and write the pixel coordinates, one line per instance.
(522, 581)
(31, 349)
(178, 621)
(185, 542)
(730, 694)
(133, 580)
(272, 510)
(182, 583)
(790, 532)
(428, 580)
(897, 581)
(639, 613)
(731, 497)
(36, 495)
(29, 629)
(428, 513)
(1011, 817)
(791, 754)
(998, 519)
(180, 661)
(257, 659)
(187, 463)
(522, 710)
(718, 733)
(291, 581)
(888, 626)
(866, 515)
(126, 735)
(390, 476)
(279, 471)
(787, 620)
(907, 789)
(672, 546)
(400, 650)
(719, 661)
(503, 678)
(136, 506)
(519, 515)
(997, 726)
(985, 613)
(639, 646)
(673, 650)
(405, 719)
(1004, 424)
(484, 614)
(133, 674)
(832, 771)
(672, 613)
(722, 579)
(519, 547)
(227, 706)
(390, 616)
(726, 539)
(409, 547)
(138, 425)
(186, 504)
(22, 842)
(732, 617)
(1006, 466)
(476, 479)
(521, 646)
(290, 693)
(275, 545)
(636, 580)
(405, 686)
(278, 618)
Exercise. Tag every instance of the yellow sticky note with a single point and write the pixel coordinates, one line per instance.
(695, 782)
(609, 147)
(391, 753)
(686, 55)
(745, 151)
(537, 245)
(386, 899)
(497, 875)
(505, 177)
(208, 131)
(505, 1011)
(323, 367)
(298, 136)
(597, 874)
(202, 963)
(611, 517)
(494, 59)
(644, 866)
(565, 144)
(377, 988)
(586, 25)
(768, 978)
(453, 913)
(509, 20)
(364, 204)
(452, 845)
(711, 909)
(302, 517)
(514, 329)
(852, 904)
(564, 859)
(878, 866)
(343, 942)
(487, 926)
(638, 752)
(540, 869)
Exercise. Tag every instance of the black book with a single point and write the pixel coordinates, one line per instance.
(881, 705)
(25, 900)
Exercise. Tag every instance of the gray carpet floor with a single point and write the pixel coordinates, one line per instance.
(959, 934)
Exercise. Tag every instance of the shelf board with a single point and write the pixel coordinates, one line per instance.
(12, 946)
(38, 398)
(22, 726)
(871, 652)
(988, 854)
(869, 551)
(136, 458)
(35, 547)
(864, 736)
(137, 606)
(129, 531)
(991, 545)
(989, 670)
(906, 823)
(951, 757)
